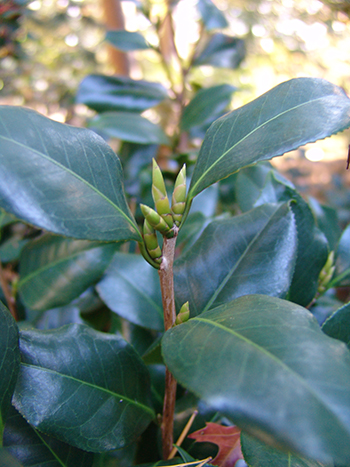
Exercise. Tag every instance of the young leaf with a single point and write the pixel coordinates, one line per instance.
(258, 454)
(129, 126)
(130, 288)
(33, 448)
(304, 109)
(206, 103)
(222, 51)
(63, 179)
(126, 40)
(106, 93)
(227, 438)
(238, 256)
(264, 363)
(55, 270)
(212, 17)
(9, 363)
(88, 389)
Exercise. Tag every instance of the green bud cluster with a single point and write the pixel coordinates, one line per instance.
(178, 201)
(151, 241)
(163, 218)
(326, 274)
(183, 315)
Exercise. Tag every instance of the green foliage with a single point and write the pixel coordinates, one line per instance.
(84, 366)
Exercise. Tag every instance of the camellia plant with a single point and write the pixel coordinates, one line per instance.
(109, 300)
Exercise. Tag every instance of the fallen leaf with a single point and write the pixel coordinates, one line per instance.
(228, 440)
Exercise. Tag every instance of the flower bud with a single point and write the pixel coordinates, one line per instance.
(326, 274)
(151, 242)
(179, 196)
(184, 314)
(160, 196)
(154, 219)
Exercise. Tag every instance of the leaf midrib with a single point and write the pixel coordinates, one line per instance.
(190, 196)
(99, 388)
(278, 362)
(78, 177)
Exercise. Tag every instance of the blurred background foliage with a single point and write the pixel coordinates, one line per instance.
(47, 47)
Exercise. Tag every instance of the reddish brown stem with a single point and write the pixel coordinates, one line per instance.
(7, 292)
(167, 287)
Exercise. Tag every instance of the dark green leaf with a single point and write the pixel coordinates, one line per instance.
(127, 41)
(88, 389)
(129, 126)
(259, 454)
(264, 363)
(34, 449)
(206, 103)
(6, 460)
(342, 270)
(130, 288)
(222, 51)
(251, 253)
(312, 250)
(212, 17)
(327, 221)
(9, 362)
(292, 114)
(250, 183)
(338, 324)
(11, 248)
(106, 93)
(63, 179)
(55, 270)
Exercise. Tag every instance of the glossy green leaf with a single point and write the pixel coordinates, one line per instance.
(312, 250)
(327, 221)
(106, 93)
(212, 17)
(129, 126)
(264, 363)
(206, 103)
(130, 288)
(338, 324)
(55, 270)
(88, 389)
(251, 253)
(222, 51)
(259, 454)
(63, 179)
(34, 449)
(127, 41)
(342, 269)
(292, 114)
(6, 460)
(9, 362)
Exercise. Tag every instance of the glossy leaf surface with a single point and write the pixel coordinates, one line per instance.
(312, 249)
(129, 126)
(338, 325)
(222, 51)
(258, 454)
(212, 17)
(106, 93)
(33, 448)
(87, 388)
(9, 362)
(55, 270)
(264, 363)
(250, 253)
(6, 460)
(327, 221)
(131, 289)
(206, 102)
(305, 109)
(126, 40)
(63, 179)
(342, 269)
